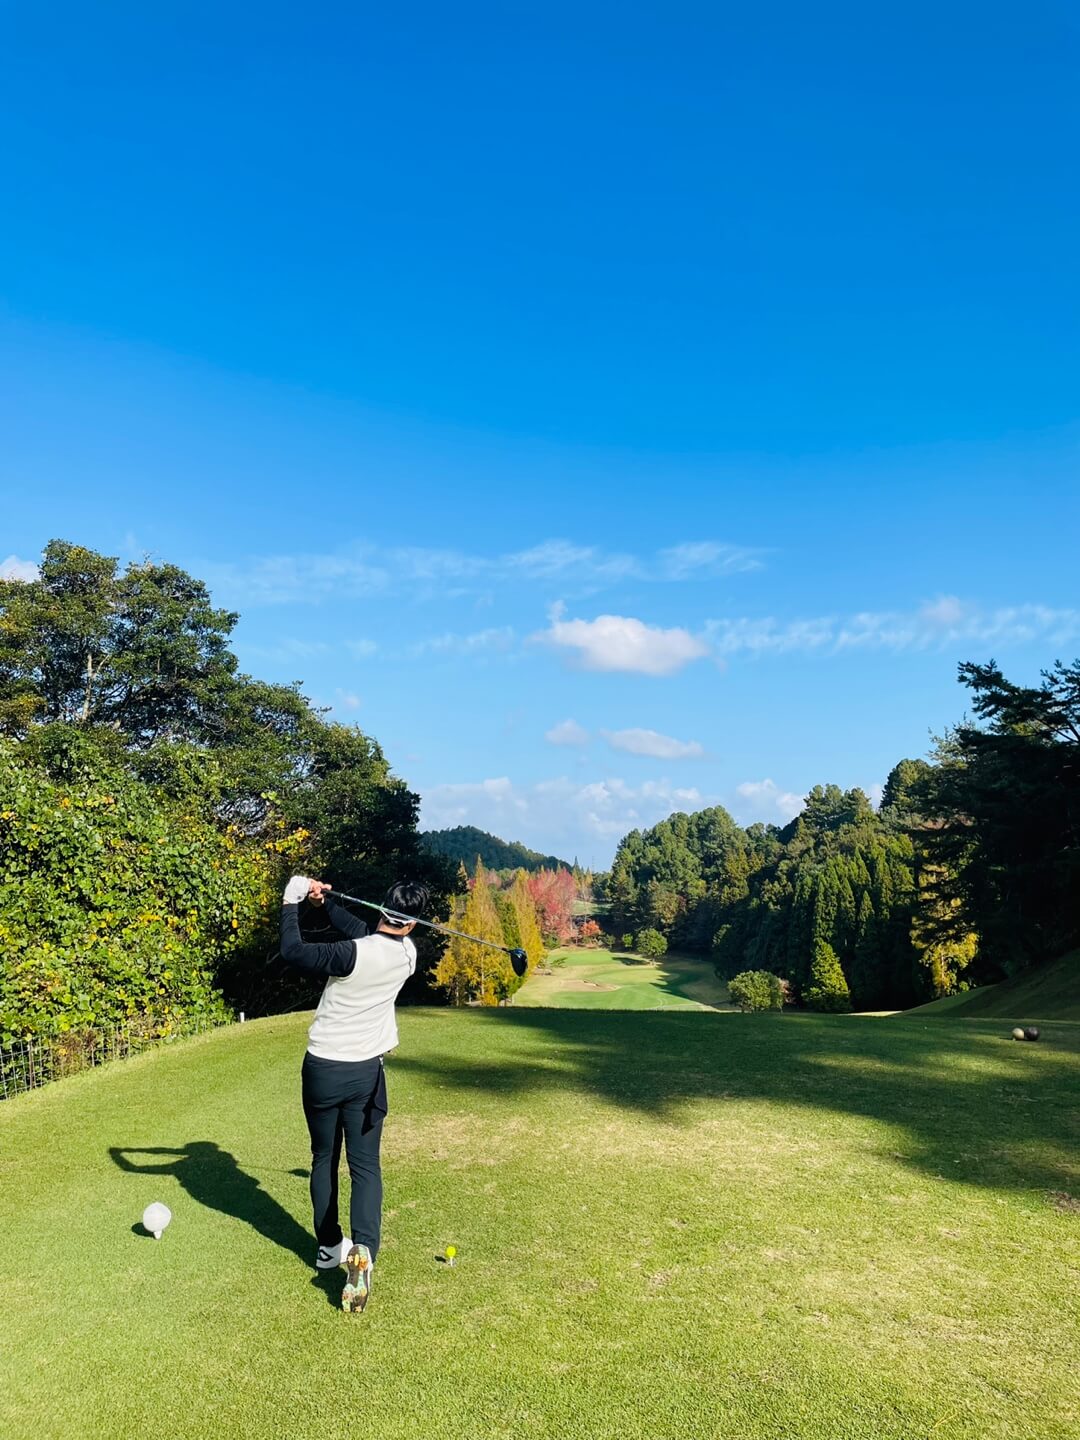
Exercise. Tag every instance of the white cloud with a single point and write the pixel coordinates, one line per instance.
(347, 701)
(764, 800)
(938, 625)
(15, 569)
(651, 742)
(567, 732)
(560, 816)
(499, 639)
(619, 642)
(361, 649)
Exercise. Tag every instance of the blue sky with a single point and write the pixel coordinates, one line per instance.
(611, 408)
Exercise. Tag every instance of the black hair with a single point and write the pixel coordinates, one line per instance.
(407, 897)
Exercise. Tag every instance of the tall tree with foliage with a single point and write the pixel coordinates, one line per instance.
(1001, 821)
(468, 971)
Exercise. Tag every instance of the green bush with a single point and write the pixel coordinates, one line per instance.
(116, 903)
(757, 990)
(651, 944)
(627, 941)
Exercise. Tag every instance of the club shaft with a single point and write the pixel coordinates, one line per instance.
(397, 917)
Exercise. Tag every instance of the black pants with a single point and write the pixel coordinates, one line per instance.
(345, 1099)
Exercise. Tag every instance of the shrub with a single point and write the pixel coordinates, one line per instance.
(627, 941)
(757, 990)
(116, 903)
(651, 944)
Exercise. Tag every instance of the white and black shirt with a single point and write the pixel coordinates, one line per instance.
(364, 973)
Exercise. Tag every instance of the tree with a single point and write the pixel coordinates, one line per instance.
(1000, 821)
(651, 944)
(527, 924)
(828, 989)
(468, 971)
(552, 893)
(143, 652)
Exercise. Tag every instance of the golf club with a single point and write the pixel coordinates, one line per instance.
(518, 959)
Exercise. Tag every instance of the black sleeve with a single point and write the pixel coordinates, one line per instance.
(345, 921)
(334, 957)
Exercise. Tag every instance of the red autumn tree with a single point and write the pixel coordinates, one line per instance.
(553, 894)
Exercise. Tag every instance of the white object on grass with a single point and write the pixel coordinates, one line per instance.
(155, 1218)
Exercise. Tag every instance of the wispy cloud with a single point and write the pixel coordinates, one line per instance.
(495, 640)
(937, 625)
(651, 742)
(700, 559)
(289, 648)
(620, 642)
(567, 732)
(15, 569)
(368, 570)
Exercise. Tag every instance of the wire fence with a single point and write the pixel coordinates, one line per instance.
(29, 1064)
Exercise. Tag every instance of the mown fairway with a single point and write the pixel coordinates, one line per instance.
(673, 1225)
(615, 980)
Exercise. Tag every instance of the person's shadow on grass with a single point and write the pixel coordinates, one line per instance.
(213, 1177)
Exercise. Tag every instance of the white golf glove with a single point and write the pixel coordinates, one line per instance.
(297, 890)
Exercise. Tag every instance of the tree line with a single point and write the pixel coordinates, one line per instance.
(968, 871)
(465, 844)
(153, 797)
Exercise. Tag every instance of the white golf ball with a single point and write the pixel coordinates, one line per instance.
(155, 1218)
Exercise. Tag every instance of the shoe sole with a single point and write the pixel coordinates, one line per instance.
(354, 1297)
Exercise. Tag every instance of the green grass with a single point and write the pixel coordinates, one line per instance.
(614, 980)
(1052, 992)
(676, 1225)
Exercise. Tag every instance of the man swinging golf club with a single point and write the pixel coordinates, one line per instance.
(343, 1081)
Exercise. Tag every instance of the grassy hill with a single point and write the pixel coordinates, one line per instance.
(669, 1225)
(1052, 992)
(609, 980)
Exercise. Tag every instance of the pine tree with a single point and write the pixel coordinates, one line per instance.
(828, 989)
(866, 966)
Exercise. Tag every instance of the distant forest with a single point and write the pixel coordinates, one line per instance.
(466, 842)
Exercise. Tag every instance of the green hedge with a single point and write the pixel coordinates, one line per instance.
(116, 903)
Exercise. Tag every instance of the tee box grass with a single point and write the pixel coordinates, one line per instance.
(685, 1224)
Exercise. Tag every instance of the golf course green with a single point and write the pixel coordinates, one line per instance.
(615, 980)
(667, 1225)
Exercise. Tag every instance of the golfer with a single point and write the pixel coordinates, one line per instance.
(343, 1082)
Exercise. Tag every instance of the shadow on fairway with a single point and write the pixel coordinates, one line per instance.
(965, 1104)
(213, 1177)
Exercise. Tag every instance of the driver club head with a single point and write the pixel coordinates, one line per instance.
(519, 960)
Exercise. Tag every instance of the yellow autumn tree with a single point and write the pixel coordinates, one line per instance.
(469, 971)
(528, 926)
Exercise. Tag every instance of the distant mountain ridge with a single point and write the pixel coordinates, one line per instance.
(466, 842)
